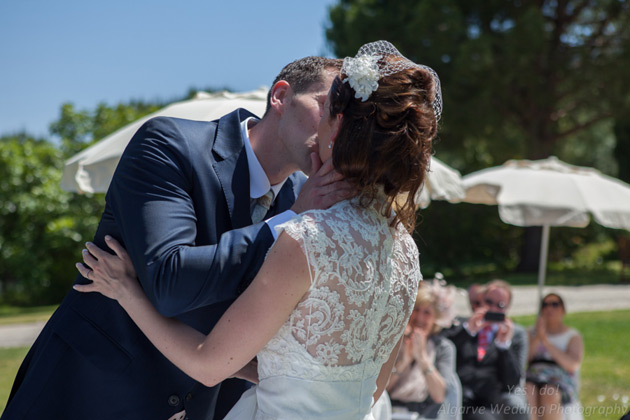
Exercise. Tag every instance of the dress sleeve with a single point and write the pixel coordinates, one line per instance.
(305, 230)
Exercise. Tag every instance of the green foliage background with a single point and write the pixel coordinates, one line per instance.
(42, 228)
(520, 80)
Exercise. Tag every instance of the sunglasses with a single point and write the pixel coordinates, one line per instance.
(553, 304)
(500, 305)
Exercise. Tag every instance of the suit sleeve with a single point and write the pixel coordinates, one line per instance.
(511, 361)
(151, 200)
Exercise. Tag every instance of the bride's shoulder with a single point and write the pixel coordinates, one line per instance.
(324, 221)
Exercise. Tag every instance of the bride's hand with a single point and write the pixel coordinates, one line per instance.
(249, 372)
(111, 275)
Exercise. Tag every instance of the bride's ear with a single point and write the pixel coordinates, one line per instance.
(337, 126)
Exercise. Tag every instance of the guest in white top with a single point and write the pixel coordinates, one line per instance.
(555, 355)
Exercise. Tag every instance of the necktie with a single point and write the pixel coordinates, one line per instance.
(483, 339)
(262, 207)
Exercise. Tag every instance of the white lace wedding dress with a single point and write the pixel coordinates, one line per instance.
(324, 361)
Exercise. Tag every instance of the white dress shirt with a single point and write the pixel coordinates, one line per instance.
(259, 182)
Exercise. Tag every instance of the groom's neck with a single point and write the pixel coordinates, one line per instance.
(269, 150)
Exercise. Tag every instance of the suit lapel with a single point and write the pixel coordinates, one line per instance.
(231, 166)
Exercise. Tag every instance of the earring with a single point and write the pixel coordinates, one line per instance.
(330, 145)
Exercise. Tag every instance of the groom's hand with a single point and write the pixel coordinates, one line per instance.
(324, 187)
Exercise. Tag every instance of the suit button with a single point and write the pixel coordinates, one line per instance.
(173, 400)
(189, 396)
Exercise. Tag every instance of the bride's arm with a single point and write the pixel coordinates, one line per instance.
(248, 324)
(386, 371)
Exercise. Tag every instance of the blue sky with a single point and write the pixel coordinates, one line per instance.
(87, 51)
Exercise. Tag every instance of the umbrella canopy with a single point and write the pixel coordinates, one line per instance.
(441, 183)
(92, 169)
(548, 193)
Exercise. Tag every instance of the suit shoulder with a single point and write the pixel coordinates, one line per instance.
(170, 124)
(176, 132)
(519, 331)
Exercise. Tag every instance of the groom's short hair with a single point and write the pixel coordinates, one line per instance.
(303, 73)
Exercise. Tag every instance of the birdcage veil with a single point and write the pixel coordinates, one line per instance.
(364, 70)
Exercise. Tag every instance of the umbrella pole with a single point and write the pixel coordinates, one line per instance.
(542, 265)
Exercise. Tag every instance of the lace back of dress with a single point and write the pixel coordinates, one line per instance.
(364, 285)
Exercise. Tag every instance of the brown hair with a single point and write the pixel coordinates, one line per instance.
(564, 309)
(425, 296)
(386, 141)
(301, 74)
(501, 284)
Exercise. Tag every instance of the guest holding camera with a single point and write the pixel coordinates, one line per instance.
(491, 356)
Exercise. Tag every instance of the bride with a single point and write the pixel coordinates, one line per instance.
(326, 312)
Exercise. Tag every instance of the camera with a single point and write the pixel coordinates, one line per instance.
(494, 316)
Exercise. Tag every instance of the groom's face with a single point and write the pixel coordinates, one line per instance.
(300, 121)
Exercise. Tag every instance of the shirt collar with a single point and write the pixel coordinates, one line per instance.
(258, 180)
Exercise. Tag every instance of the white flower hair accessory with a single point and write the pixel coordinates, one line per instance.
(362, 75)
(364, 70)
(444, 295)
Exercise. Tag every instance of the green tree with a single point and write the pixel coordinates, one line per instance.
(40, 230)
(78, 129)
(520, 79)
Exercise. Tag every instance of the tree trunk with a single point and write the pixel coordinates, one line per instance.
(622, 149)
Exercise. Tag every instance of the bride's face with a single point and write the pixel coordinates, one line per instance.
(327, 131)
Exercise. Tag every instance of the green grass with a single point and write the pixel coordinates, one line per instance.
(17, 315)
(605, 371)
(10, 360)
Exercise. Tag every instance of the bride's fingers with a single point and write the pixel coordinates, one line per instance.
(83, 269)
(115, 246)
(85, 288)
(96, 251)
(89, 259)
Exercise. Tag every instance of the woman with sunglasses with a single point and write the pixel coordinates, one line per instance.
(555, 356)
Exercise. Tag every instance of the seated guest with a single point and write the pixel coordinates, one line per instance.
(424, 372)
(555, 355)
(476, 294)
(491, 356)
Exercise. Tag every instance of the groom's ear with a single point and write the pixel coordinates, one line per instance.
(279, 94)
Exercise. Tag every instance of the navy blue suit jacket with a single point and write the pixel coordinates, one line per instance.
(179, 202)
(500, 371)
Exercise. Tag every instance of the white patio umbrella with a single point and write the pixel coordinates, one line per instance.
(441, 183)
(548, 193)
(91, 170)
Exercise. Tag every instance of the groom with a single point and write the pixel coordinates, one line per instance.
(181, 202)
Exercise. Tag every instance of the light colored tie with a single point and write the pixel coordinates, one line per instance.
(262, 207)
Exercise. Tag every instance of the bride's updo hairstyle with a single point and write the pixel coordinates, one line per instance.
(385, 137)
